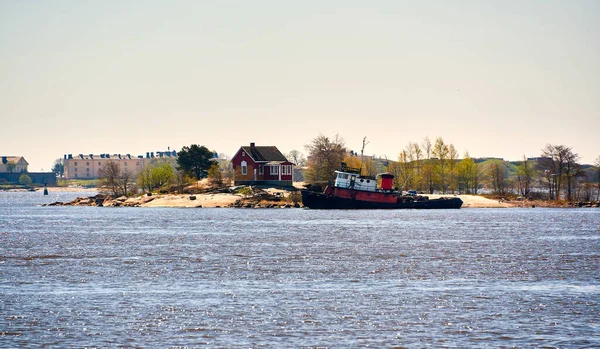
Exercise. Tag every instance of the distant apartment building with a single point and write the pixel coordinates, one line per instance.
(13, 164)
(89, 166)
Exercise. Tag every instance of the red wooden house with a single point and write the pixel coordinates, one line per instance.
(262, 165)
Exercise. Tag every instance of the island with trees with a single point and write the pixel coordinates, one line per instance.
(199, 178)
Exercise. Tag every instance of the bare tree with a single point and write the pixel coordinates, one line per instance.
(524, 177)
(124, 180)
(405, 170)
(416, 154)
(553, 164)
(427, 147)
(395, 169)
(181, 180)
(452, 162)
(325, 156)
(227, 171)
(297, 158)
(427, 168)
(468, 175)
(572, 169)
(497, 176)
(440, 150)
(109, 175)
(369, 167)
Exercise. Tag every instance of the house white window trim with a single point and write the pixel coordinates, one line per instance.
(274, 170)
(244, 168)
(261, 169)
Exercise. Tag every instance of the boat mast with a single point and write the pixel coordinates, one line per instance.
(362, 151)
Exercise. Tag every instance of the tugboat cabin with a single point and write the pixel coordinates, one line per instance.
(349, 178)
(349, 184)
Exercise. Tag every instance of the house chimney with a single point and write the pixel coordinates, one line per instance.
(252, 145)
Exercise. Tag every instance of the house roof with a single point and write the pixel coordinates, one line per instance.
(14, 159)
(264, 153)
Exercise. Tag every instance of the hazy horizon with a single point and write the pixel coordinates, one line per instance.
(494, 78)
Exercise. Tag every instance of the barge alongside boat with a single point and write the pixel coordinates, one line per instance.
(353, 191)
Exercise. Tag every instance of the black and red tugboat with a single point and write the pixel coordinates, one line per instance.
(353, 191)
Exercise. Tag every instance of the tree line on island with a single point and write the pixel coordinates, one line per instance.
(430, 167)
(427, 167)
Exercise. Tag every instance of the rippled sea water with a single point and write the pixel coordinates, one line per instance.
(296, 278)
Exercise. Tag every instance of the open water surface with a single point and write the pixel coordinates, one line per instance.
(296, 278)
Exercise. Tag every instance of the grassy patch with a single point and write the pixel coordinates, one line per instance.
(85, 183)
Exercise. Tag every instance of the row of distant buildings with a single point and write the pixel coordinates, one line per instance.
(251, 164)
(89, 166)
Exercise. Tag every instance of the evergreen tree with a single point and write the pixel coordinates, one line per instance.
(195, 160)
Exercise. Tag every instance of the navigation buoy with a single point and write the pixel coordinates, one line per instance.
(45, 189)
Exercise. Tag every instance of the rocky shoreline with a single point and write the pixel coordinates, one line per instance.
(171, 200)
(281, 199)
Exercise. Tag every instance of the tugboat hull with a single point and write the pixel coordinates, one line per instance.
(321, 201)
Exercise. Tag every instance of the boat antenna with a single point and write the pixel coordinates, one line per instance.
(362, 151)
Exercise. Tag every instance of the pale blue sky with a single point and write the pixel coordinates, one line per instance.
(497, 78)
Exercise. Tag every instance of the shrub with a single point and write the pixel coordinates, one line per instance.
(245, 191)
(25, 180)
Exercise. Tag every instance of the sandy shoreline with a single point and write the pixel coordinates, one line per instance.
(475, 201)
(201, 200)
